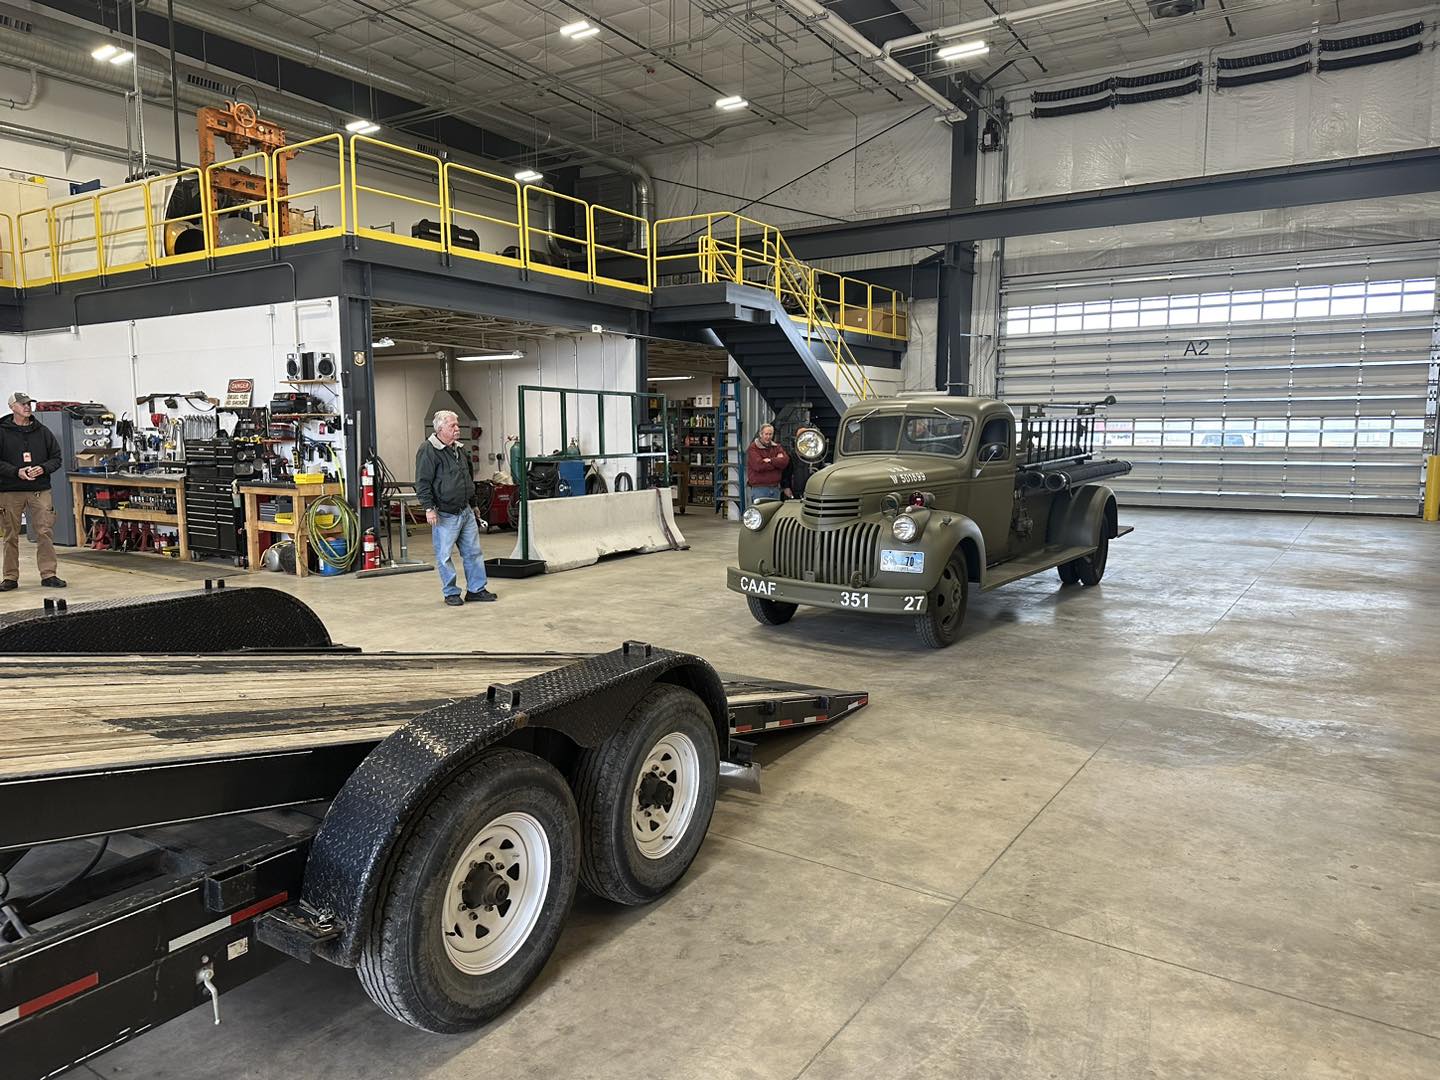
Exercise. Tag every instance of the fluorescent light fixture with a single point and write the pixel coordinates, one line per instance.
(529, 176)
(579, 31)
(383, 343)
(104, 52)
(362, 127)
(124, 56)
(731, 103)
(669, 378)
(963, 51)
(515, 354)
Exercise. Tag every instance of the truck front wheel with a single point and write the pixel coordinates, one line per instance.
(474, 899)
(1091, 568)
(771, 612)
(939, 624)
(646, 795)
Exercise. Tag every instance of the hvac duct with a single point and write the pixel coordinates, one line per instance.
(29, 102)
(447, 398)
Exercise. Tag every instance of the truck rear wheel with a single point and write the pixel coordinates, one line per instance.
(1091, 568)
(771, 612)
(939, 624)
(475, 896)
(646, 795)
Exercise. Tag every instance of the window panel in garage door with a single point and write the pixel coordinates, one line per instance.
(1257, 387)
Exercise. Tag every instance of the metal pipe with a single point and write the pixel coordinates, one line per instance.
(174, 83)
(989, 22)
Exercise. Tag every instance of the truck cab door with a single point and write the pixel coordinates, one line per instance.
(992, 485)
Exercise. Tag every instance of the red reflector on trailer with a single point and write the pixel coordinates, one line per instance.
(54, 997)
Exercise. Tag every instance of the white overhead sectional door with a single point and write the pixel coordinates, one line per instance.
(1265, 383)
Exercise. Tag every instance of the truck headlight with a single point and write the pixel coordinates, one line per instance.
(904, 528)
(810, 445)
(752, 519)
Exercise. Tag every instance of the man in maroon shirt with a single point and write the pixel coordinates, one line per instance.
(765, 462)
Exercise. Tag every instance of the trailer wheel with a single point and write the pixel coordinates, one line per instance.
(646, 795)
(1069, 572)
(939, 624)
(474, 899)
(771, 612)
(1091, 568)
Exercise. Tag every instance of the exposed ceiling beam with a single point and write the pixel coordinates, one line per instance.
(1376, 176)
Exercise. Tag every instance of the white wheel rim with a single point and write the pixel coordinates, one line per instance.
(495, 893)
(666, 791)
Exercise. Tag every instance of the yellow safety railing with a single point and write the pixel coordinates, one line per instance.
(184, 234)
(572, 247)
(76, 231)
(248, 210)
(132, 227)
(286, 156)
(645, 269)
(508, 194)
(9, 261)
(126, 228)
(35, 236)
(356, 187)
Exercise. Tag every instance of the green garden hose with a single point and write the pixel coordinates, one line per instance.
(324, 546)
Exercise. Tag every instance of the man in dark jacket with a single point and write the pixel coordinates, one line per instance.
(29, 453)
(446, 490)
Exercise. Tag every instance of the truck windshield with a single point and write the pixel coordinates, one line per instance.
(937, 433)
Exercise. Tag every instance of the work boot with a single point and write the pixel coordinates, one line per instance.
(454, 601)
(6, 586)
(53, 582)
(484, 596)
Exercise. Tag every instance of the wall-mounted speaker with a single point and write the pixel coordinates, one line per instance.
(292, 366)
(325, 366)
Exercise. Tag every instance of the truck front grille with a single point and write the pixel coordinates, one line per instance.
(833, 557)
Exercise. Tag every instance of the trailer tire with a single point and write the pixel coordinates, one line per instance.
(939, 624)
(1091, 568)
(771, 612)
(509, 804)
(666, 749)
(1069, 572)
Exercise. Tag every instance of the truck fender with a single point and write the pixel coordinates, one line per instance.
(586, 702)
(1078, 520)
(962, 532)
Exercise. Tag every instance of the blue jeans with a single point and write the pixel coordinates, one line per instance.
(761, 491)
(449, 530)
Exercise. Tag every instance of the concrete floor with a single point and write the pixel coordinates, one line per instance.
(1181, 825)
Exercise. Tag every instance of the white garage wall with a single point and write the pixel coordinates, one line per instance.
(403, 390)
(867, 182)
(114, 363)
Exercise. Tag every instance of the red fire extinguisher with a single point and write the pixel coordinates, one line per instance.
(372, 551)
(367, 486)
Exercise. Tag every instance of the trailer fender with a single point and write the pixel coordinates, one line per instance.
(585, 702)
(1077, 523)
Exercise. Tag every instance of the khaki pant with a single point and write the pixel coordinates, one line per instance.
(38, 506)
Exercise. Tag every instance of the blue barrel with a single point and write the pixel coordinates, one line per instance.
(333, 547)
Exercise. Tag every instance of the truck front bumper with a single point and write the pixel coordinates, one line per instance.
(818, 594)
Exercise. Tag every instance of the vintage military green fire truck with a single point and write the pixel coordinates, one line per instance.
(928, 497)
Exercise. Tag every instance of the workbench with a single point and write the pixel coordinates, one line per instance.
(302, 495)
(165, 481)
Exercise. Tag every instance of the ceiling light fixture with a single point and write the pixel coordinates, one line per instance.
(579, 31)
(731, 103)
(529, 176)
(515, 354)
(963, 51)
(124, 56)
(669, 378)
(386, 342)
(362, 127)
(104, 52)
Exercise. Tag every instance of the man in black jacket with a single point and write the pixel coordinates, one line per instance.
(446, 490)
(29, 453)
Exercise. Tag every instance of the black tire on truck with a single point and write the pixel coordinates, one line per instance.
(474, 898)
(1069, 572)
(771, 612)
(939, 624)
(1091, 568)
(646, 795)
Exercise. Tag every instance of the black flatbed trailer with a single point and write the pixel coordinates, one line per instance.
(235, 830)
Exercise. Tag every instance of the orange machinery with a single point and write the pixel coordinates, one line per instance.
(245, 131)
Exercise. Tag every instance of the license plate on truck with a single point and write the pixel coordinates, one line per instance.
(902, 562)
